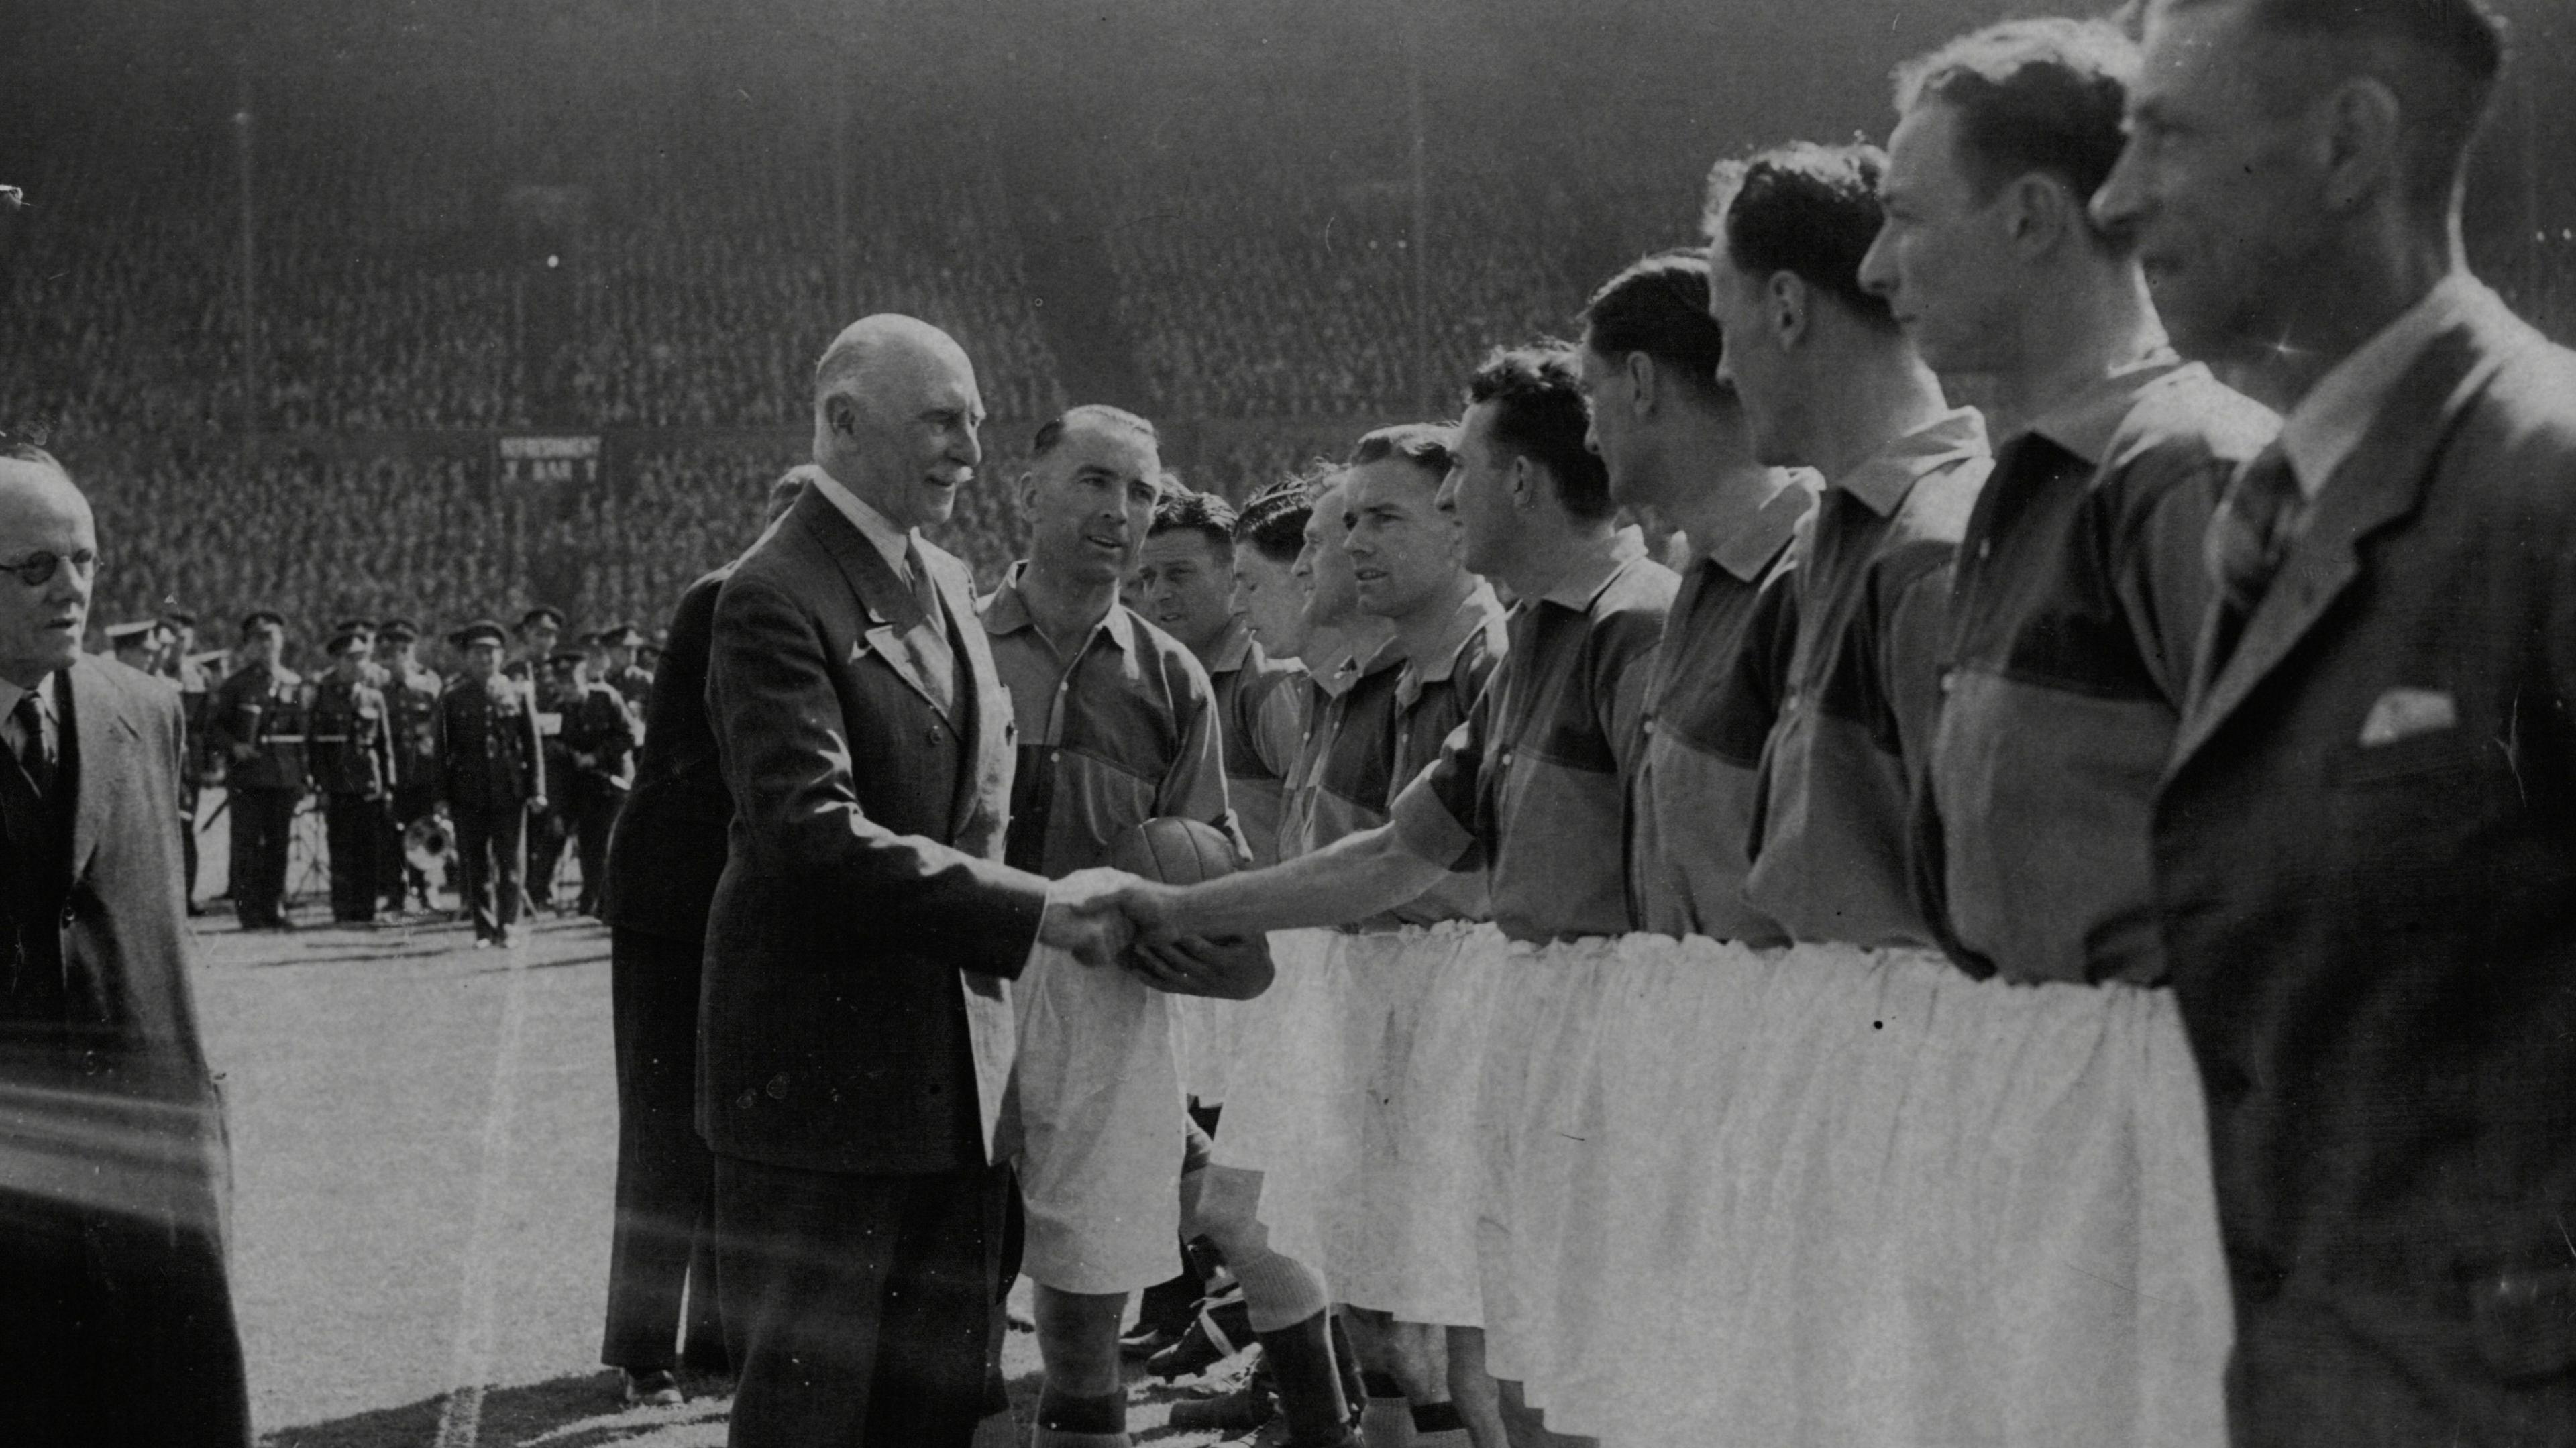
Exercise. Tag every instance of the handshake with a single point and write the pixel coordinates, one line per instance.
(1110, 918)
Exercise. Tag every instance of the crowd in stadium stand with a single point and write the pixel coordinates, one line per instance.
(323, 538)
(1267, 289)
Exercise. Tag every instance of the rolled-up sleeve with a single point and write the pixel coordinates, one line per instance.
(1433, 815)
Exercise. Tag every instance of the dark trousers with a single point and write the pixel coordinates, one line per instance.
(114, 1330)
(664, 1233)
(490, 844)
(595, 808)
(263, 822)
(354, 829)
(2382, 1371)
(859, 1310)
(548, 829)
(188, 796)
(398, 880)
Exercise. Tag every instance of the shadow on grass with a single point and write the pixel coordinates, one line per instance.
(583, 1411)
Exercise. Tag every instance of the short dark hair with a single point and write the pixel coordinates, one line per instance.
(1539, 413)
(29, 447)
(1052, 430)
(1658, 305)
(1273, 520)
(2444, 104)
(1188, 510)
(2040, 95)
(1429, 446)
(1807, 209)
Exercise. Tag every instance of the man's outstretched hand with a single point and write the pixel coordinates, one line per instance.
(1233, 969)
(1083, 915)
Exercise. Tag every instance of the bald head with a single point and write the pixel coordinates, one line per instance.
(43, 519)
(895, 417)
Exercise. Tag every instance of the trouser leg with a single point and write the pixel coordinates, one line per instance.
(546, 832)
(352, 826)
(597, 819)
(664, 1173)
(858, 1309)
(509, 834)
(475, 848)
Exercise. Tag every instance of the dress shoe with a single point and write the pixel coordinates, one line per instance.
(1219, 1333)
(1248, 1406)
(1146, 1339)
(651, 1388)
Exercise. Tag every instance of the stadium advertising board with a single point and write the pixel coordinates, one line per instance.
(552, 459)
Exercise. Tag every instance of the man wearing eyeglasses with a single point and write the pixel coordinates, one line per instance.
(116, 1322)
(258, 726)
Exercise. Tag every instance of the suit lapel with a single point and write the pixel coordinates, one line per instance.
(893, 613)
(2381, 483)
(101, 732)
(979, 692)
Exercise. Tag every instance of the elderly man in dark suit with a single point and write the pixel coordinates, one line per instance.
(2365, 847)
(663, 862)
(856, 1028)
(116, 1321)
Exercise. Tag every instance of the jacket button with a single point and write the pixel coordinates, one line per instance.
(747, 1100)
(778, 1087)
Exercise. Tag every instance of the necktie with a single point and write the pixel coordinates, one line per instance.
(35, 750)
(2249, 536)
(937, 663)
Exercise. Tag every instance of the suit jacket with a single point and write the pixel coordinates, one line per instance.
(2365, 862)
(669, 846)
(854, 1015)
(108, 1113)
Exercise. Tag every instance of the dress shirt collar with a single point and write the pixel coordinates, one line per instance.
(1479, 614)
(1883, 481)
(2085, 423)
(1007, 612)
(2329, 423)
(1336, 672)
(1234, 649)
(47, 702)
(1750, 534)
(1584, 581)
(893, 542)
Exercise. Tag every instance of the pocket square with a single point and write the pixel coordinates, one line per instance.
(2405, 713)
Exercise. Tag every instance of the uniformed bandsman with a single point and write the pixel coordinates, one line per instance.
(258, 727)
(183, 665)
(632, 681)
(557, 691)
(411, 709)
(491, 774)
(136, 645)
(352, 750)
(374, 672)
(540, 628)
(599, 739)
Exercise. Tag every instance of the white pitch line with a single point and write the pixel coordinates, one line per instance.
(460, 1420)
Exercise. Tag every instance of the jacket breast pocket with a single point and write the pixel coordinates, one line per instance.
(2440, 759)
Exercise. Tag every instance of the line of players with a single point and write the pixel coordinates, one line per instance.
(1727, 1021)
(385, 744)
